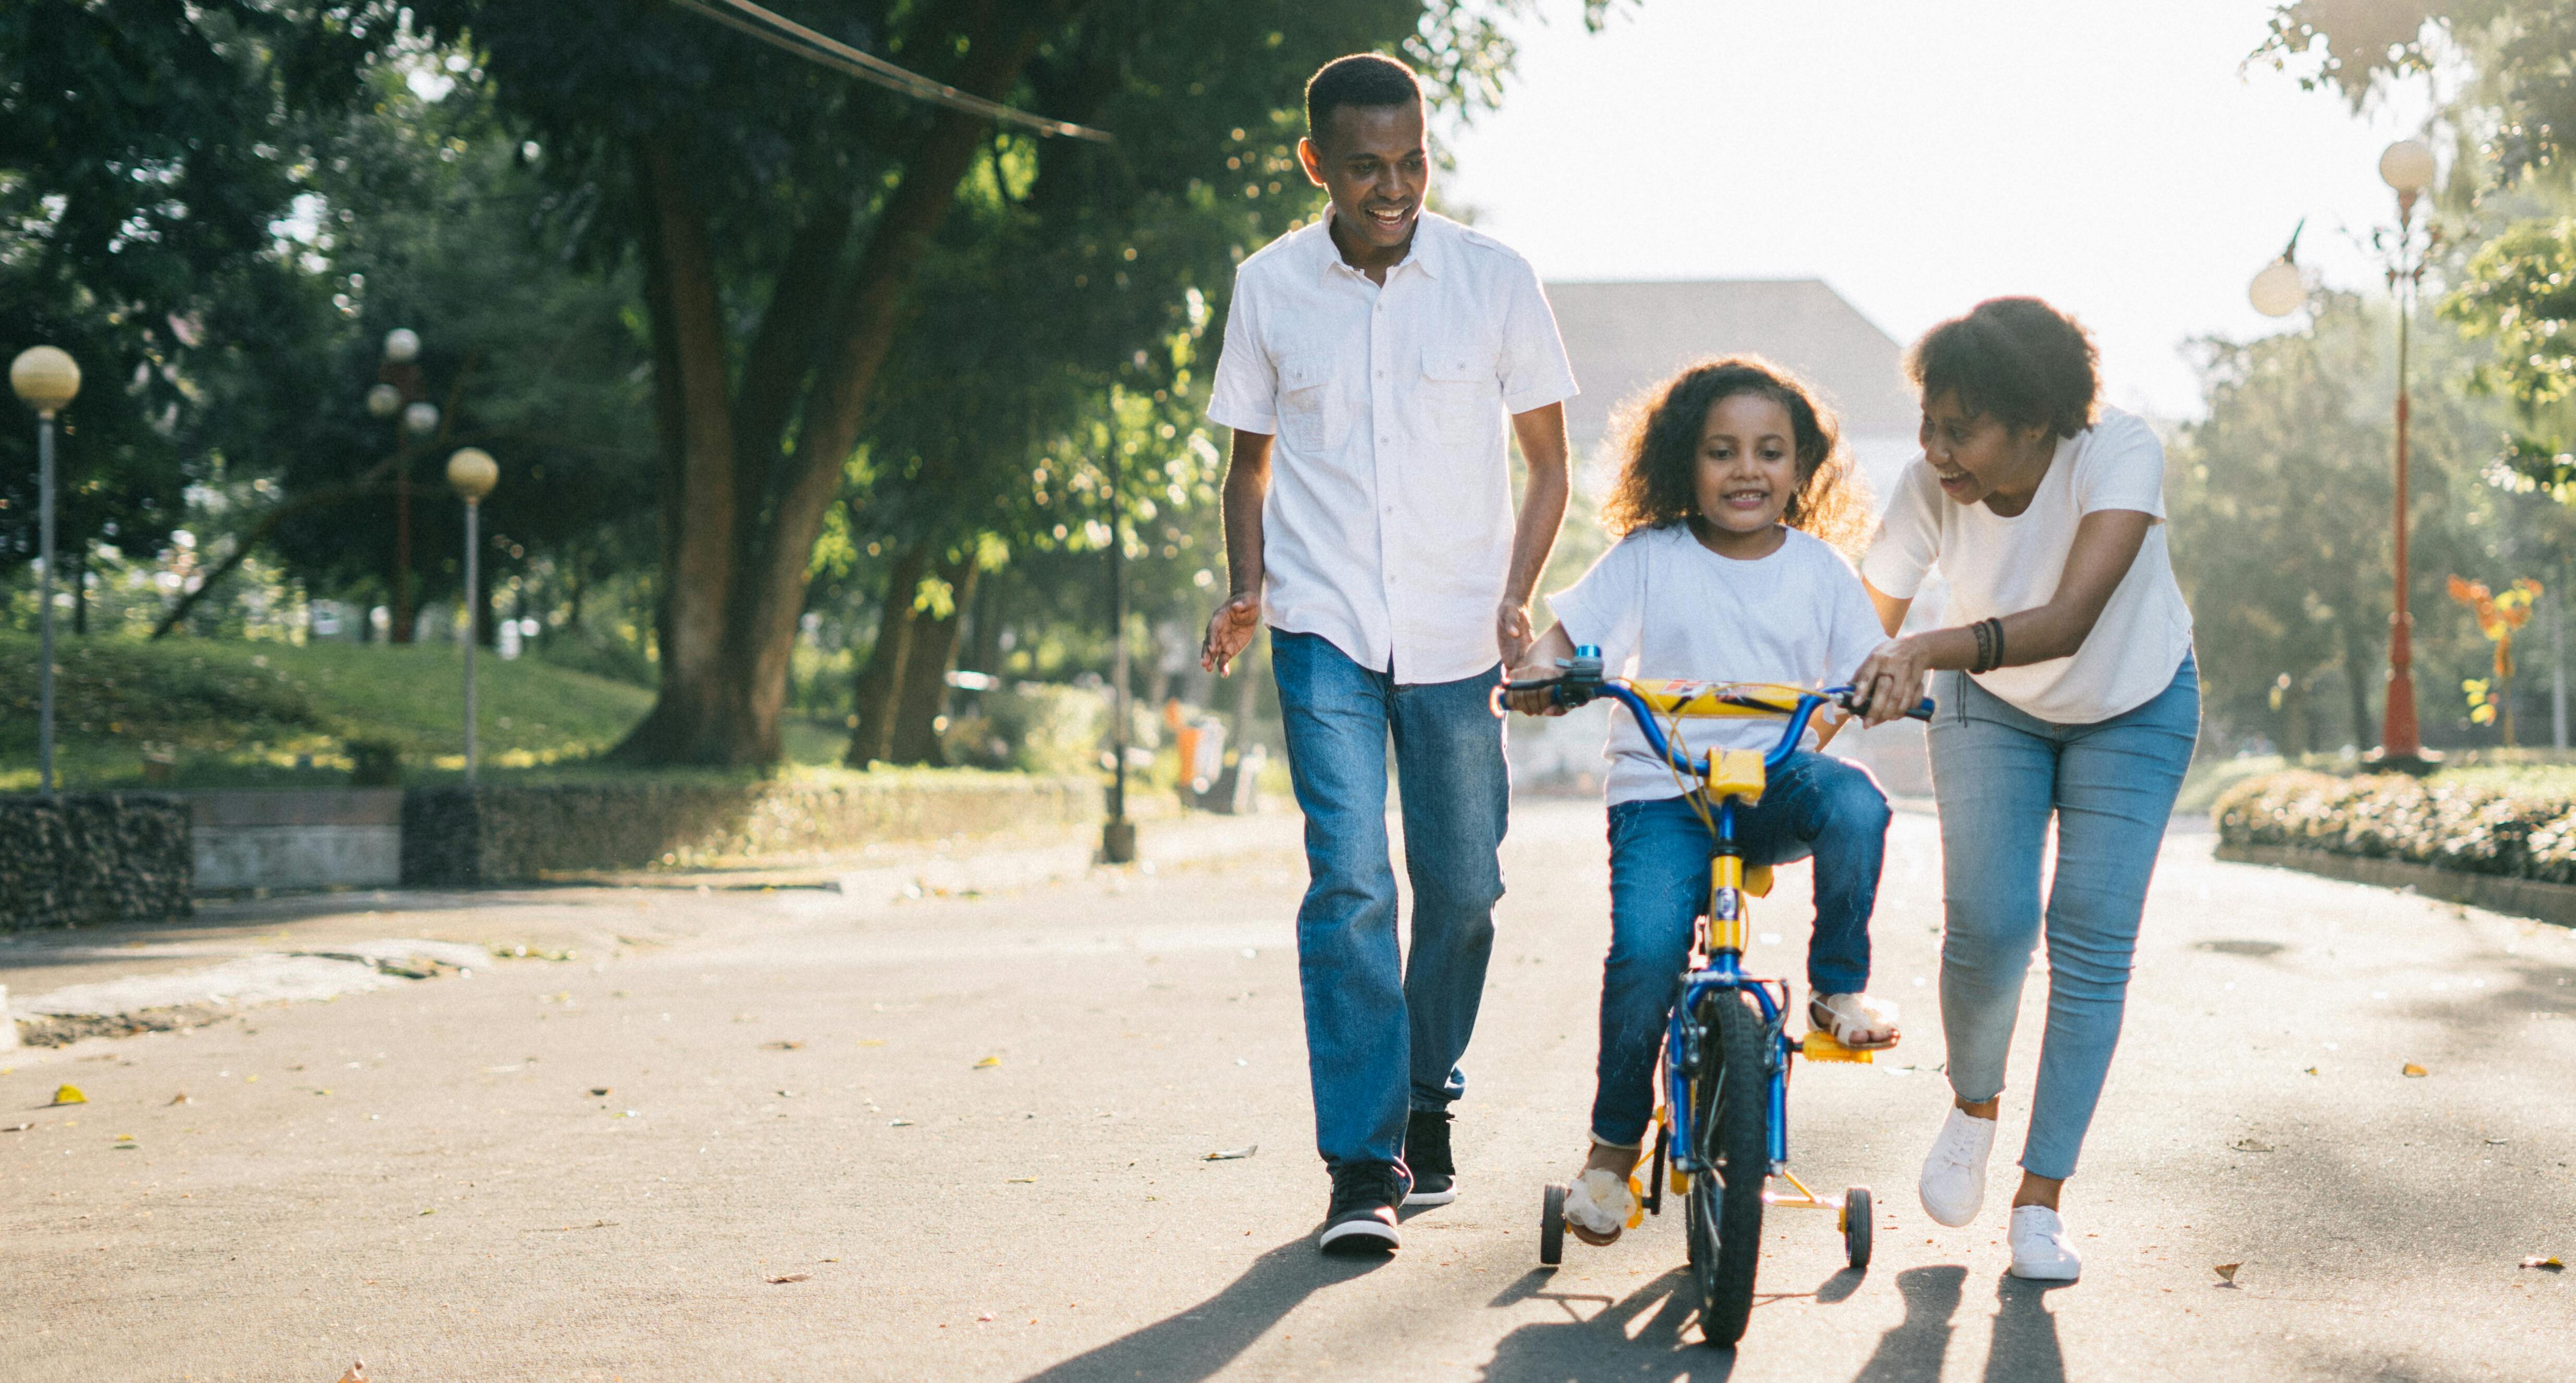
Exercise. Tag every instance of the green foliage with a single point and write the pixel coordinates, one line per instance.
(2521, 102)
(2518, 292)
(141, 159)
(245, 712)
(2518, 827)
(2281, 503)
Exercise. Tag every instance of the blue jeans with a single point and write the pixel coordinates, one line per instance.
(1659, 879)
(1383, 1034)
(2000, 775)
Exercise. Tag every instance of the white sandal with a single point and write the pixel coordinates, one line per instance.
(1599, 1205)
(1848, 1017)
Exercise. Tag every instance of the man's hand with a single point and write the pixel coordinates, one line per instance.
(1890, 681)
(1513, 631)
(1228, 631)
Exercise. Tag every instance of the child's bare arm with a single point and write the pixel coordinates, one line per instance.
(1537, 665)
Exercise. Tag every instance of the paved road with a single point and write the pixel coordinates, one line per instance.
(973, 1129)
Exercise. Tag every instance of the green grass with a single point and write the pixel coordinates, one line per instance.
(241, 714)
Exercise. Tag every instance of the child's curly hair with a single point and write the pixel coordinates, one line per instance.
(1657, 438)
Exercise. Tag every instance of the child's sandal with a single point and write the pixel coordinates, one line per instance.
(1852, 1019)
(1599, 1205)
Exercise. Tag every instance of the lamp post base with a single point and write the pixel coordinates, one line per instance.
(2414, 765)
(1118, 841)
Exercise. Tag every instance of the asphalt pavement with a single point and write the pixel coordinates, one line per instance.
(806, 1133)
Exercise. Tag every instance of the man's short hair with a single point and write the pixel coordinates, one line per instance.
(1362, 79)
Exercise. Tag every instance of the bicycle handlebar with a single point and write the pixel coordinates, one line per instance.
(1583, 681)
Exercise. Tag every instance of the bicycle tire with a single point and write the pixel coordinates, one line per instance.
(1730, 1113)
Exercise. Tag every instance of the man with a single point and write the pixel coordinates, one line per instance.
(1370, 360)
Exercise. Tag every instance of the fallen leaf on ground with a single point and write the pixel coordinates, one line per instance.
(988, 1063)
(1023, 1181)
(1231, 1154)
(601, 1090)
(181, 1098)
(2411, 1069)
(2250, 1145)
(898, 1123)
(357, 1372)
(782, 1046)
(2312, 1070)
(2547, 1265)
(871, 1041)
(17, 1128)
(2227, 1272)
(985, 1316)
(791, 1277)
(430, 1211)
(70, 1094)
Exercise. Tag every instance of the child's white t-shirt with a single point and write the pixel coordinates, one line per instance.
(1659, 604)
(2002, 566)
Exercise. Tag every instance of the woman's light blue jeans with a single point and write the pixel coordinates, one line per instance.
(2000, 776)
(1816, 806)
(1384, 1033)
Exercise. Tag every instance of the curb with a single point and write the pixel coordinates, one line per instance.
(2546, 902)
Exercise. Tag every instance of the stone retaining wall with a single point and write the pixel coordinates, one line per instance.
(504, 834)
(93, 857)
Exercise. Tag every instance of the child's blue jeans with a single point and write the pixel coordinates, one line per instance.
(1816, 806)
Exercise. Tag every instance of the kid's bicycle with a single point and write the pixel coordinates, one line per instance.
(1722, 1132)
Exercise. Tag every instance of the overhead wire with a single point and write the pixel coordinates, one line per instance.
(786, 34)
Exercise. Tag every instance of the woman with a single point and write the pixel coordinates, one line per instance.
(2067, 692)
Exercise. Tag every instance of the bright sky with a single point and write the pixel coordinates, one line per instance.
(1919, 157)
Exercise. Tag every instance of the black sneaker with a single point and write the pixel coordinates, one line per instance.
(1362, 1216)
(1426, 1151)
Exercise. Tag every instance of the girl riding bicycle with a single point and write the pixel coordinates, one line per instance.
(1733, 492)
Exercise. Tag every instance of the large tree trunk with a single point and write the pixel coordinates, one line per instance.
(693, 417)
(736, 574)
(925, 671)
(2357, 680)
(874, 698)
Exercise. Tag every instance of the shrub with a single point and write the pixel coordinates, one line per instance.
(2520, 830)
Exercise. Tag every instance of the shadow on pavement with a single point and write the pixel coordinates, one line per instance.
(1601, 1347)
(1205, 1338)
(1912, 1348)
(2025, 1348)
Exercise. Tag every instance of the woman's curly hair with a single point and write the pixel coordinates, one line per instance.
(1657, 435)
(2017, 360)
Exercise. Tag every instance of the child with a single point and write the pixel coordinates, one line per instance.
(1733, 489)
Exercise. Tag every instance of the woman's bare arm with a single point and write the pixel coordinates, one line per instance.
(2106, 544)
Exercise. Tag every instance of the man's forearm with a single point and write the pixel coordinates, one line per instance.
(1541, 433)
(1247, 485)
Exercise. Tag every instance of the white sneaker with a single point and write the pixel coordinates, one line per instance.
(2039, 1248)
(1954, 1172)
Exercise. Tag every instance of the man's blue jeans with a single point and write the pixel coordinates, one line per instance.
(1659, 878)
(2001, 775)
(1383, 1033)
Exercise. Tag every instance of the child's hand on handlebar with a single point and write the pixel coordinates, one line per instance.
(1535, 703)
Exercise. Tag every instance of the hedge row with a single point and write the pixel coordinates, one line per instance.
(497, 834)
(2517, 831)
(93, 857)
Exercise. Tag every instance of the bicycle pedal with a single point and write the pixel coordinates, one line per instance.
(1821, 1046)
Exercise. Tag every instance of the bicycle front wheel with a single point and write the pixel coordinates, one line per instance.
(1729, 1116)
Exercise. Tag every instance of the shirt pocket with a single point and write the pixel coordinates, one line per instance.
(1312, 414)
(1459, 395)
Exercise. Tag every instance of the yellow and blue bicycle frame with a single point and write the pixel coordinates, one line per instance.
(1723, 779)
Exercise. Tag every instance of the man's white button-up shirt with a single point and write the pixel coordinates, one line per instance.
(1388, 525)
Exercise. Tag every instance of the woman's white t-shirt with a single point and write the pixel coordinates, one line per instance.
(1660, 605)
(2001, 566)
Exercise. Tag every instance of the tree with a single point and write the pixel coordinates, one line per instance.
(782, 215)
(145, 146)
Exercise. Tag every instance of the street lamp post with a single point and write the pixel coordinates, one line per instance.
(472, 473)
(398, 391)
(47, 379)
(2407, 167)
